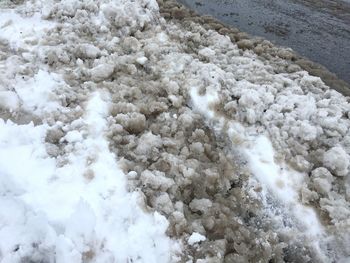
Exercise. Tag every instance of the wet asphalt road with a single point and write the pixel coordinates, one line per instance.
(316, 29)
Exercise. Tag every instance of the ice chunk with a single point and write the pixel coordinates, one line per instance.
(73, 136)
(142, 60)
(101, 72)
(147, 142)
(9, 100)
(337, 160)
(156, 180)
(201, 205)
(88, 51)
(308, 132)
(206, 53)
(195, 238)
(322, 180)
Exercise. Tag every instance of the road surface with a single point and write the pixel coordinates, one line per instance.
(316, 29)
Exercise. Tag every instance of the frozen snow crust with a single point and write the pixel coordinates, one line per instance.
(112, 96)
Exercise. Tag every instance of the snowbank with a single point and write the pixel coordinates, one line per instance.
(132, 132)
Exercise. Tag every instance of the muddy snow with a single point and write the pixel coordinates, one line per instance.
(132, 132)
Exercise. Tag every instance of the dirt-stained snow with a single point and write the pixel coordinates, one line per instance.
(126, 137)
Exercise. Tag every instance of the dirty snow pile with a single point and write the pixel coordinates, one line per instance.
(128, 138)
(63, 195)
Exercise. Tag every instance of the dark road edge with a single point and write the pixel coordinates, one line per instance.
(172, 9)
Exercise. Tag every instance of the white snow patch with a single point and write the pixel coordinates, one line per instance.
(67, 214)
(73, 136)
(19, 30)
(196, 238)
(202, 103)
(38, 93)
